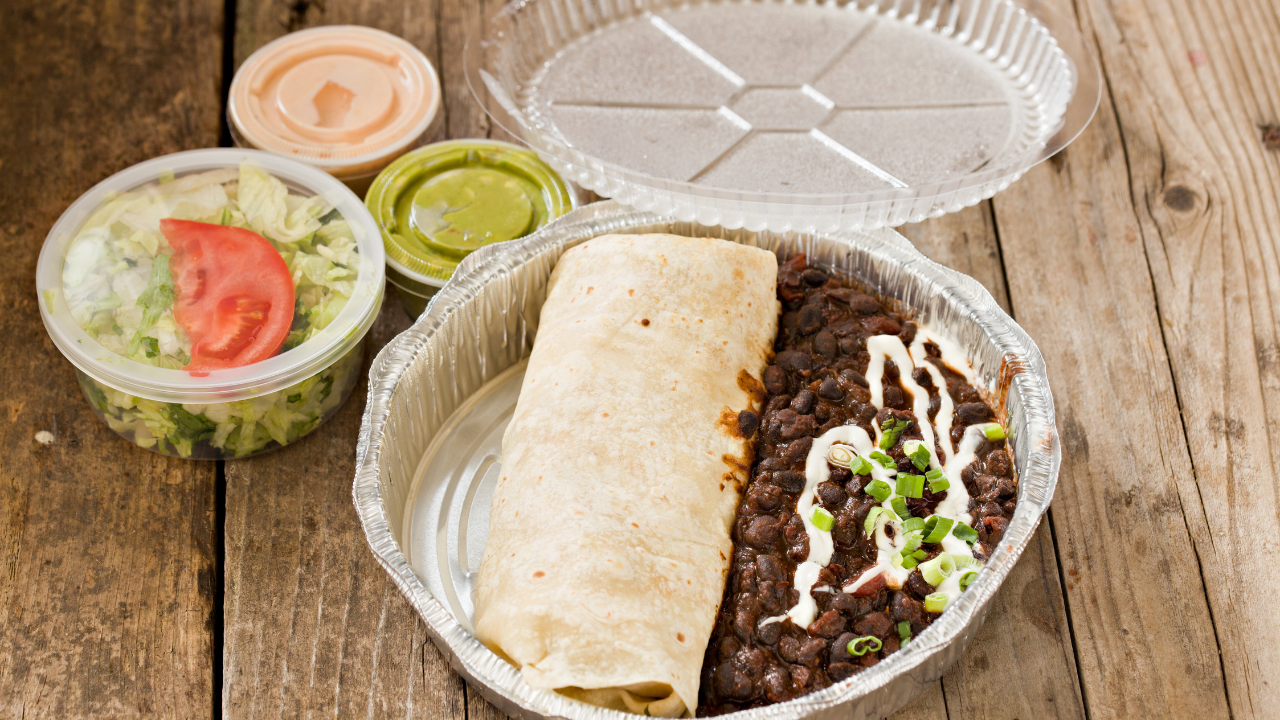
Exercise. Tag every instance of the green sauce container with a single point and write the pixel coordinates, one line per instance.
(440, 203)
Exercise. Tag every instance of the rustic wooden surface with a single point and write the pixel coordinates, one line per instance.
(1140, 259)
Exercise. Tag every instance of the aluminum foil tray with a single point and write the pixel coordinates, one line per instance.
(788, 114)
(441, 393)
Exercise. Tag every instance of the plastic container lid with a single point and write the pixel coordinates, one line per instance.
(806, 116)
(179, 386)
(344, 98)
(439, 203)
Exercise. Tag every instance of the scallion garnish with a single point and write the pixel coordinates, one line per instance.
(911, 486)
(879, 490)
(936, 602)
(863, 645)
(918, 453)
(908, 562)
(936, 528)
(964, 562)
(891, 433)
(884, 461)
(914, 524)
(904, 631)
(870, 523)
(919, 554)
(912, 544)
(899, 505)
(938, 569)
(860, 466)
(822, 519)
(841, 456)
(993, 431)
(967, 578)
(965, 533)
(939, 485)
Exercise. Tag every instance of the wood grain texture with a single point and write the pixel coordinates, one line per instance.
(1025, 641)
(1196, 88)
(1079, 283)
(314, 626)
(106, 550)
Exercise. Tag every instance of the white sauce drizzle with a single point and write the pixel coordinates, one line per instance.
(954, 506)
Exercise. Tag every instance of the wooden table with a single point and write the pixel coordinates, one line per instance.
(135, 585)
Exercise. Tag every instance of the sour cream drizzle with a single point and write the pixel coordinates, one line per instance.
(954, 506)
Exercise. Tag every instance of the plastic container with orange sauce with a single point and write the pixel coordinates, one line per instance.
(345, 98)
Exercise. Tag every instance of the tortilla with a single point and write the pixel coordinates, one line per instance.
(609, 531)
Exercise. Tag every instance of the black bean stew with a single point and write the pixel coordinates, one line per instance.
(817, 382)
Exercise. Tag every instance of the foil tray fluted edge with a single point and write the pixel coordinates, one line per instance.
(484, 321)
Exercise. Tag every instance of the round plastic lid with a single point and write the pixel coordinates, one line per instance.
(438, 204)
(343, 98)
(276, 373)
(786, 115)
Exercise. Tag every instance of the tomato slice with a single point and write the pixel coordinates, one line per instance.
(234, 293)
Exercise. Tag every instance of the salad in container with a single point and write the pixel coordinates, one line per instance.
(214, 302)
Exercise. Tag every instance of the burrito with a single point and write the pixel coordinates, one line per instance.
(622, 467)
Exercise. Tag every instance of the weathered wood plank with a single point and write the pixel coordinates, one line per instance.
(1026, 641)
(1080, 284)
(314, 626)
(106, 550)
(1194, 85)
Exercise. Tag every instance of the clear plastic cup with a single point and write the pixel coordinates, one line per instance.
(217, 413)
(345, 98)
(441, 202)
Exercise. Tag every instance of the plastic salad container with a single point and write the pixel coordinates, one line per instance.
(345, 98)
(441, 202)
(159, 287)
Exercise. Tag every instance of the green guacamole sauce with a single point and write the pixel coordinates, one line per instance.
(440, 203)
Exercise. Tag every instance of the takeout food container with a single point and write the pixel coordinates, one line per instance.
(810, 116)
(170, 410)
(439, 203)
(440, 395)
(345, 98)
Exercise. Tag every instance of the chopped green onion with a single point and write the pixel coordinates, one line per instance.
(899, 505)
(874, 514)
(965, 533)
(967, 578)
(908, 562)
(911, 486)
(936, 528)
(936, 602)
(860, 466)
(841, 456)
(914, 524)
(966, 561)
(822, 520)
(937, 486)
(938, 569)
(891, 434)
(861, 646)
(993, 431)
(934, 475)
(918, 453)
(919, 554)
(912, 543)
(885, 461)
(904, 631)
(879, 490)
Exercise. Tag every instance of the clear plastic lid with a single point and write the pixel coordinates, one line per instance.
(324, 347)
(345, 98)
(805, 116)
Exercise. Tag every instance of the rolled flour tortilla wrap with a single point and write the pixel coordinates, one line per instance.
(609, 532)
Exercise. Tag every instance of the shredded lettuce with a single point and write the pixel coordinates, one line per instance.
(227, 430)
(120, 289)
(116, 275)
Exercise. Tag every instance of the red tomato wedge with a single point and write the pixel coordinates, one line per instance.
(234, 293)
